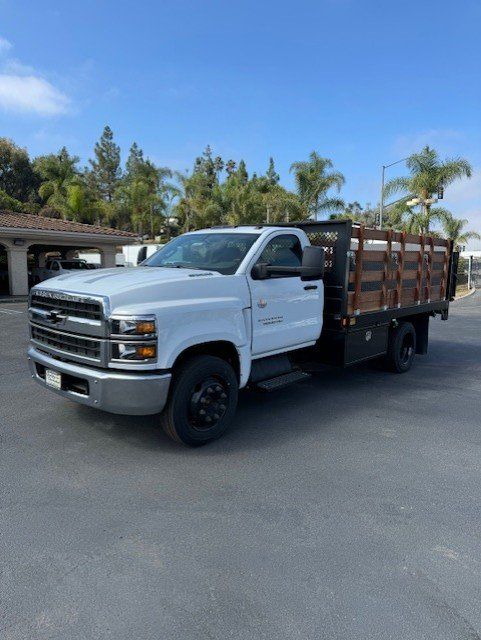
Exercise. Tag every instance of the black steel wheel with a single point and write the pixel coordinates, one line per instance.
(401, 347)
(202, 401)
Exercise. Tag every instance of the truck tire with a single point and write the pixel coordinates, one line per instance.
(401, 348)
(202, 400)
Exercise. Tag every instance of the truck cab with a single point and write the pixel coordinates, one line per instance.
(214, 311)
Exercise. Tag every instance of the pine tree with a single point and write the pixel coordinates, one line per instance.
(106, 166)
(242, 174)
(135, 159)
(271, 175)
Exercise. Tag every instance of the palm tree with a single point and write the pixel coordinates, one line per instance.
(453, 229)
(428, 174)
(314, 179)
(58, 172)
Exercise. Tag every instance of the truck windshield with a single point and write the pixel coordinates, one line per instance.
(222, 252)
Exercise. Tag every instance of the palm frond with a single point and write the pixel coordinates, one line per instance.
(396, 185)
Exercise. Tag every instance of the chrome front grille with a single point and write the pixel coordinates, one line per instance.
(66, 344)
(70, 326)
(68, 306)
(71, 313)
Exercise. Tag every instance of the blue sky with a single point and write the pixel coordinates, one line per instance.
(363, 82)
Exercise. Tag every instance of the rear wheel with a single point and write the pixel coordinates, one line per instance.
(202, 401)
(401, 348)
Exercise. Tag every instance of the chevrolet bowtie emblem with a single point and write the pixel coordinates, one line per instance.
(55, 316)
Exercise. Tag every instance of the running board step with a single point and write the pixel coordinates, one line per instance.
(282, 381)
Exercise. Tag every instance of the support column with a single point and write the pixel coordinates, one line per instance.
(17, 270)
(42, 258)
(108, 257)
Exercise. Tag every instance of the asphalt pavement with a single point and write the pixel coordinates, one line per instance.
(345, 507)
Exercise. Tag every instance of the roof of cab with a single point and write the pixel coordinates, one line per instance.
(258, 229)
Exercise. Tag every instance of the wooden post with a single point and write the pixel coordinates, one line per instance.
(357, 283)
(420, 270)
(427, 293)
(400, 269)
(447, 254)
(387, 271)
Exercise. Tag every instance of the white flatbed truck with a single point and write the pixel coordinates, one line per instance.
(220, 309)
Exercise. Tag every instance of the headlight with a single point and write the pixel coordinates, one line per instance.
(139, 351)
(141, 326)
(133, 339)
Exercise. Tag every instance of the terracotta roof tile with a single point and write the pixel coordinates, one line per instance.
(11, 220)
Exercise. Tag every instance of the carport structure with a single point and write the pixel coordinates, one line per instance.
(22, 235)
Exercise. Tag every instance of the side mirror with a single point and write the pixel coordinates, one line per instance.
(259, 271)
(312, 263)
(312, 267)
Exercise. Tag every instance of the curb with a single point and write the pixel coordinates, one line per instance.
(13, 300)
(466, 295)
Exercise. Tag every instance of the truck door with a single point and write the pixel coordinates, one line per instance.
(286, 312)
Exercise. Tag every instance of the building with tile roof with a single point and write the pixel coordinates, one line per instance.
(26, 240)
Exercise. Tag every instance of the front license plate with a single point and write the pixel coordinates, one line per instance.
(53, 379)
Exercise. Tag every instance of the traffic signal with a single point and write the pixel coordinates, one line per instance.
(440, 192)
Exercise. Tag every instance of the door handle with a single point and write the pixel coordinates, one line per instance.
(310, 287)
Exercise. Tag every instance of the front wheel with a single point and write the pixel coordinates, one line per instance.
(401, 348)
(202, 401)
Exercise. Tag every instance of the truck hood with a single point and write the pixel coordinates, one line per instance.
(120, 280)
(139, 286)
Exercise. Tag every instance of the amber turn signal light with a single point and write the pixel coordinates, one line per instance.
(146, 351)
(145, 327)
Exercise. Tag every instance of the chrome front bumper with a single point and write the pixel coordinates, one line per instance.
(114, 391)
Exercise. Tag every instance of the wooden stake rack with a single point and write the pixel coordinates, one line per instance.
(394, 269)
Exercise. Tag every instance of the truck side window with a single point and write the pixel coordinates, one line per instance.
(282, 251)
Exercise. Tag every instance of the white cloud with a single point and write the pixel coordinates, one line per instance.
(31, 94)
(15, 67)
(5, 45)
(24, 90)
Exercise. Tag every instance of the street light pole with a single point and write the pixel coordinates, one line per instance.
(381, 205)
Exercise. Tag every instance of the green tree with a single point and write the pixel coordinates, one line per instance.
(18, 178)
(241, 173)
(230, 167)
(136, 197)
(282, 205)
(454, 229)
(271, 175)
(106, 171)
(357, 213)
(134, 160)
(314, 179)
(57, 172)
(205, 200)
(427, 174)
(11, 204)
(142, 170)
(81, 205)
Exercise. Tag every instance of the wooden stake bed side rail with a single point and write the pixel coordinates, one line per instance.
(379, 271)
(378, 234)
(395, 277)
